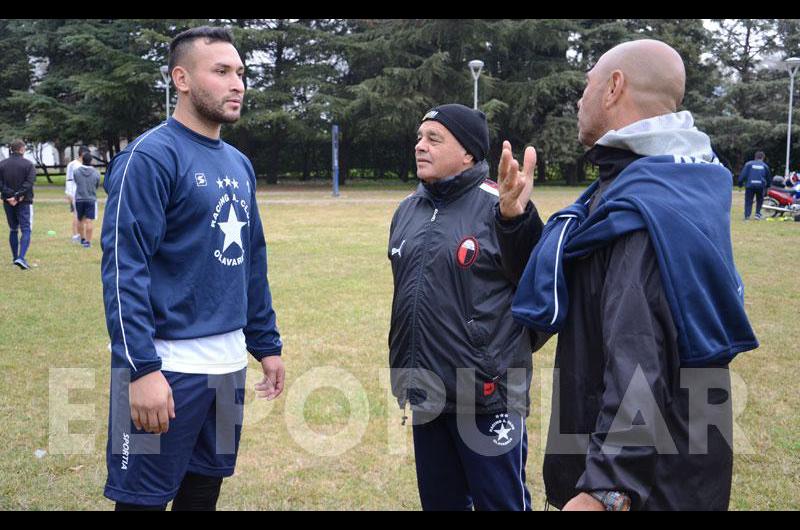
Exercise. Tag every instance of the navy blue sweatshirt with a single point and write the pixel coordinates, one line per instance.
(184, 254)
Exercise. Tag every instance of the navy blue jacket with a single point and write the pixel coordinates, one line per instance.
(685, 208)
(755, 175)
(451, 307)
(17, 177)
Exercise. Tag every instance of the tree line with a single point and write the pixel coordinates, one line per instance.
(97, 81)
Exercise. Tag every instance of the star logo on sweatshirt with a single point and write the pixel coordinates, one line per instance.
(232, 228)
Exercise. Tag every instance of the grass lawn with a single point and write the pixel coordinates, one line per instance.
(332, 289)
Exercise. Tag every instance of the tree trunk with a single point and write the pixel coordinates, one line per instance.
(306, 162)
(62, 154)
(580, 169)
(273, 164)
(407, 161)
(570, 172)
(541, 170)
(37, 155)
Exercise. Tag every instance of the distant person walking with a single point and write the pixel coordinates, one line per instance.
(755, 177)
(87, 180)
(17, 176)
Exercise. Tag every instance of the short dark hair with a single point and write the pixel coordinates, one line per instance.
(182, 42)
(16, 145)
(759, 155)
(87, 158)
(83, 149)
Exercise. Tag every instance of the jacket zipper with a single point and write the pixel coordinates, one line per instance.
(411, 380)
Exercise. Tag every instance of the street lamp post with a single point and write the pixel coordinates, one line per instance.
(792, 64)
(475, 66)
(165, 76)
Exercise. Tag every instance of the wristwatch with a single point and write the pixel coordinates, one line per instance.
(614, 501)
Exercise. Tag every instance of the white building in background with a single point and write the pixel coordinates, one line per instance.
(47, 154)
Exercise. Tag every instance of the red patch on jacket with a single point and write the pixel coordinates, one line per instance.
(467, 252)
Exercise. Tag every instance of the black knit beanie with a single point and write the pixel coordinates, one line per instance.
(466, 124)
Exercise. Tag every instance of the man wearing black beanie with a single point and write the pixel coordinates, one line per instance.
(458, 359)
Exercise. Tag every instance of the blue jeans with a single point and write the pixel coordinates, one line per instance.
(19, 217)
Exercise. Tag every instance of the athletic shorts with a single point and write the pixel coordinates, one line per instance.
(86, 210)
(147, 469)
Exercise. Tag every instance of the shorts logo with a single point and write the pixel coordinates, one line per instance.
(126, 448)
(200, 178)
(502, 428)
(467, 252)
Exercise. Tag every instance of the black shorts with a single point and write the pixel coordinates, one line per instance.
(86, 210)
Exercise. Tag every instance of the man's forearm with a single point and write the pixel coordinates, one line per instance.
(516, 238)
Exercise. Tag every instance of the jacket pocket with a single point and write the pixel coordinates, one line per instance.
(479, 338)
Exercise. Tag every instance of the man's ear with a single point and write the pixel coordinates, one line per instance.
(468, 158)
(616, 84)
(180, 79)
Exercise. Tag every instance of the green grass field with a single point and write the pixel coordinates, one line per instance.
(332, 289)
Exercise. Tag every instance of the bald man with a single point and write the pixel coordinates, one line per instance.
(637, 279)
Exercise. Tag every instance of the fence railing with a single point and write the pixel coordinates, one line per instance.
(60, 169)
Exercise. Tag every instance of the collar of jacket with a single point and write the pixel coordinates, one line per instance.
(448, 190)
(611, 160)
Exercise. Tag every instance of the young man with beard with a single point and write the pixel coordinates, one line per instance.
(185, 289)
(638, 279)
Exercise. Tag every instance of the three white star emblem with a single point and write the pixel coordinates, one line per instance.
(232, 228)
(502, 433)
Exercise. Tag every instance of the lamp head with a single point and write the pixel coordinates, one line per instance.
(476, 66)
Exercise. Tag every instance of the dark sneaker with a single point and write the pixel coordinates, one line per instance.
(86, 244)
(22, 264)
